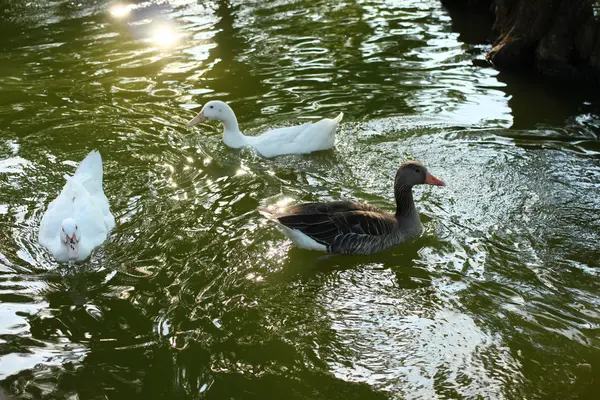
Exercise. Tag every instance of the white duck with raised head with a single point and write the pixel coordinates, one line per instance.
(299, 139)
(79, 219)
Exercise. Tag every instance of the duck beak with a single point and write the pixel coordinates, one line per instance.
(197, 119)
(72, 246)
(432, 180)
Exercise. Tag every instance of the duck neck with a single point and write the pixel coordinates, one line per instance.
(405, 206)
(231, 134)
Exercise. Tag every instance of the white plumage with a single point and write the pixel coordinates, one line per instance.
(79, 219)
(299, 238)
(299, 139)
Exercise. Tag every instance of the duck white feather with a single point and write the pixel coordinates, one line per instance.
(79, 219)
(299, 139)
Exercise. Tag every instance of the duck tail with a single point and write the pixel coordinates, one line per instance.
(89, 173)
(338, 118)
(91, 165)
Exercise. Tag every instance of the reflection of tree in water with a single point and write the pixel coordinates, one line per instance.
(308, 55)
(311, 56)
(301, 55)
(534, 101)
(228, 338)
(230, 78)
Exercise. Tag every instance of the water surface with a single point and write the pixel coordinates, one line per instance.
(195, 295)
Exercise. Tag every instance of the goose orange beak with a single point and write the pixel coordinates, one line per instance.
(432, 180)
(197, 119)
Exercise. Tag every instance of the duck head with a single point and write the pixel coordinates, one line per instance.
(413, 173)
(70, 237)
(214, 110)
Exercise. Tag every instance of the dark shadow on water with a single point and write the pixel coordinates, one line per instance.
(231, 78)
(473, 26)
(535, 101)
(84, 314)
(318, 265)
(123, 355)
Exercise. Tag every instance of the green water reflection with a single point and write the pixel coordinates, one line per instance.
(196, 296)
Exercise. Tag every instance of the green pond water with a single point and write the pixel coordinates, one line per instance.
(196, 296)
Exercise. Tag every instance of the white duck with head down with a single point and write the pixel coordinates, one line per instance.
(299, 139)
(79, 219)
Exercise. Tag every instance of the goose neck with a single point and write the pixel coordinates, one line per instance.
(405, 205)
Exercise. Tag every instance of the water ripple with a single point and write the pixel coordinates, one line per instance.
(195, 294)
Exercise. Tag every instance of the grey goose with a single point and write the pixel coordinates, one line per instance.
(347, 227)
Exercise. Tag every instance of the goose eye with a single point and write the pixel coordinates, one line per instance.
(417, 170)
(76, 227)
(211, 107)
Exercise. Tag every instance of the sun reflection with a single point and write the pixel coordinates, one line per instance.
(284, 202)
(279, 206)
(164, 36)
(277, 252)
(121, 10)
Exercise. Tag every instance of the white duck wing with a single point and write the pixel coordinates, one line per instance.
(298, 139)
(321, 134)
(59, 209)
(99, 201)
(285, 133)
(89, 173)
(270, 143)
(88, 212)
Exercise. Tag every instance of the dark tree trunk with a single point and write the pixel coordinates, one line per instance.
(481, 4)
(559, 38)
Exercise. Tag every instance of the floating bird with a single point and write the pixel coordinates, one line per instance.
(354, 228)
(79, 219)
(299, 139)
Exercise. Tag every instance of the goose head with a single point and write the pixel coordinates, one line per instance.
(214, 110)
(409, 174)
(413, 173)
(70, 237)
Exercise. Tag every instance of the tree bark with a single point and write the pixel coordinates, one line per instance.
(559, 38)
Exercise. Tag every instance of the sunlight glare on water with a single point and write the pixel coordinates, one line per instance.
(121, 10)
(164, 35)
(196, 294)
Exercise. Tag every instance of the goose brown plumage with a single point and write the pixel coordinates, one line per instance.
(355, 228)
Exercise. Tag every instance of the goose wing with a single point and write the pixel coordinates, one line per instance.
(338, 224)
